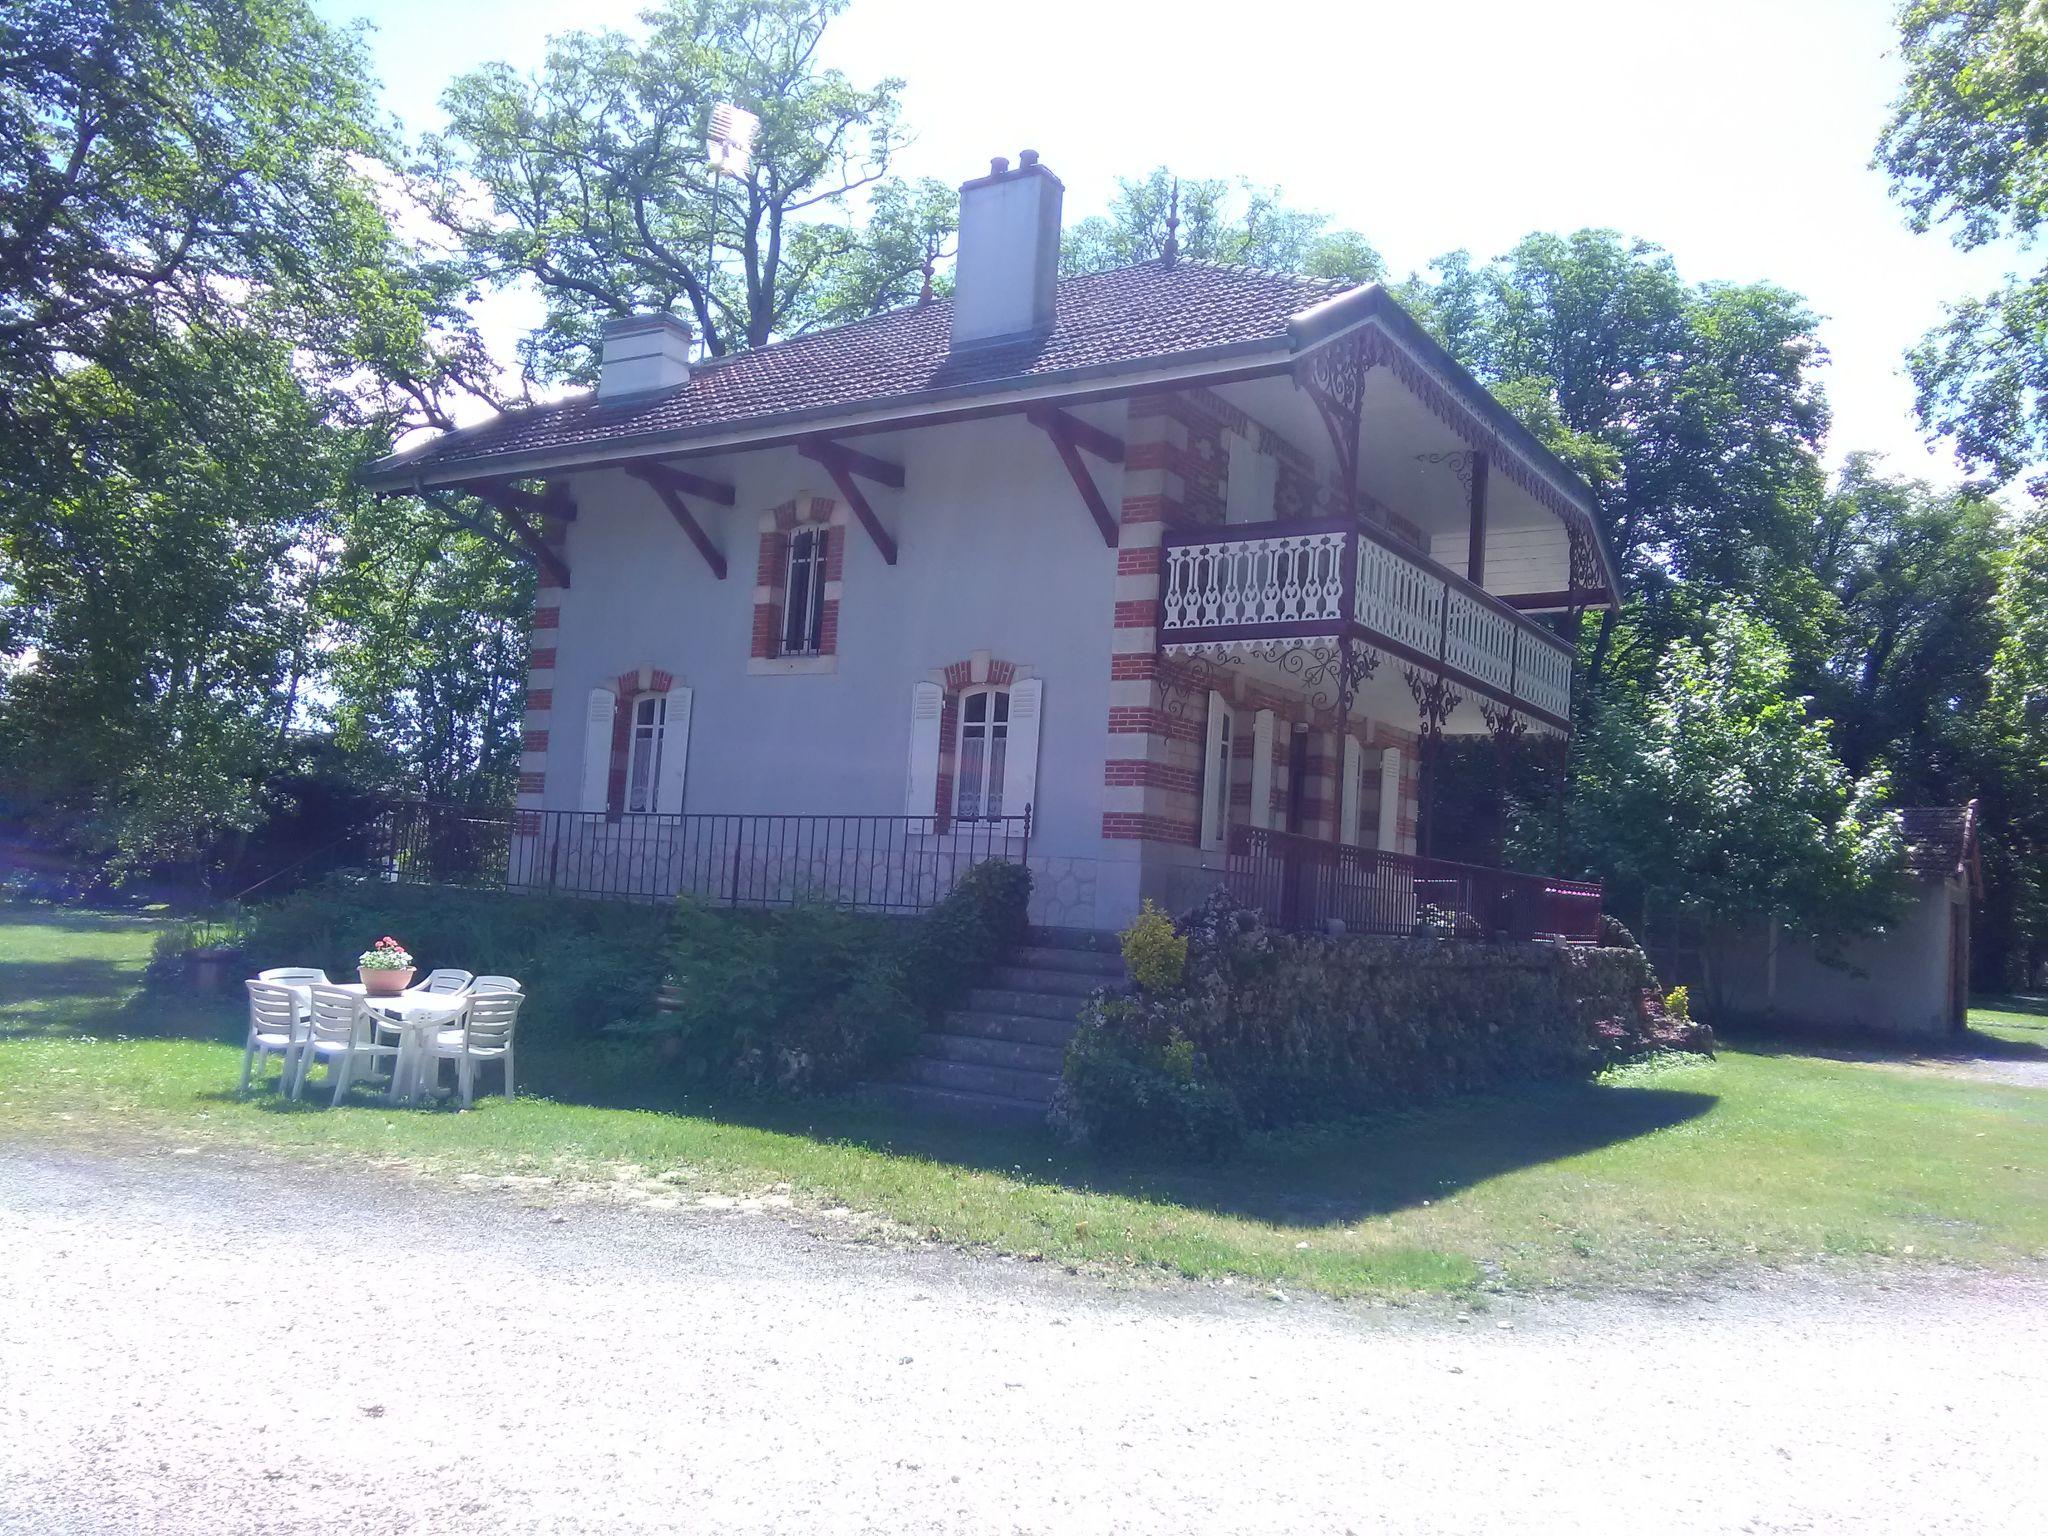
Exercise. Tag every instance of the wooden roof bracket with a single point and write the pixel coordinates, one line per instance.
(1072, 437)
(844, 464)
(669, 485)
(502, 499)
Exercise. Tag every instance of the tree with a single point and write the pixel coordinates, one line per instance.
(2015, 735)
(1967, 146)
(163, 547)
(1713, 790)
(1237, 223)
(1912, 573)
(590, 179)
(186, 159)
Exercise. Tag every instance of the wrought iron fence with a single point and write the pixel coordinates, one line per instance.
(865, 863)
(1307, 884)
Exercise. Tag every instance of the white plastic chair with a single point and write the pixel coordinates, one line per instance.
(442, 982)
(275, 1028)
(296, 976)
(485, 1034)
(337, 1033)
(496, 984)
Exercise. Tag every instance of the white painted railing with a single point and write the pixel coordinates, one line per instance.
(1399, 598)
(1480, 639)
(1543, 678)
(1237, 590)
(1286, 579)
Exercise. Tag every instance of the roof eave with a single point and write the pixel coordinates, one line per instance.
(404, 471)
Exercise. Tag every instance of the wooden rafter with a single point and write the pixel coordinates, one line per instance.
(717, 491)
(1072, 436)
(843, 464)
(483, 528)
(664, 483)
(549, 559)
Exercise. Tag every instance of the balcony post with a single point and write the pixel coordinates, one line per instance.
(1475, 544)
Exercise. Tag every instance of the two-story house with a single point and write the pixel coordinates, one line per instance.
(1189, 565)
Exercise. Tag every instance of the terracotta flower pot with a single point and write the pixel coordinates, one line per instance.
(385, 983)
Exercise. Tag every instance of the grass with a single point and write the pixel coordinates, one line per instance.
(1668, 1174)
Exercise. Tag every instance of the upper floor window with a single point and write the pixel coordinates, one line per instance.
(984, 741)
(1252, 481)
(803, 592)
(643, 751)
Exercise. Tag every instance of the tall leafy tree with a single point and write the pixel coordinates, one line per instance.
(1967, 148)
(2015, 745)
(1239, 223)
(590, 180)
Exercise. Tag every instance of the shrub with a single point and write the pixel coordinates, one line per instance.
(1678, 1003)
(1128, 1087)
(1155, 952)
(1297, 1028)
(585, 963)
(811, 999)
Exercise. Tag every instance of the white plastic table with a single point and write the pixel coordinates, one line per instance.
(415, 1015)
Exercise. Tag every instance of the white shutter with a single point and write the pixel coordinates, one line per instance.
(1354, 761)
(1262, 768)
(1020, 753)
(1390, 799)
(1216, 774)
(598, 719)
(921, 794)
(675, 753)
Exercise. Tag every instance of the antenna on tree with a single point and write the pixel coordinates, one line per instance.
(1171, 253)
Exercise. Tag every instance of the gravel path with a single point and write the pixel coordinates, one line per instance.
(188, 1345)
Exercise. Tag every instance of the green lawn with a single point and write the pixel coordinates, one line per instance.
(1662, 1175)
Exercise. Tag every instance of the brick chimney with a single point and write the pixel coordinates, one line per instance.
(1009, 261)
(643, 352)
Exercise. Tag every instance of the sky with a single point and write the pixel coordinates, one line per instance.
(1736, 135)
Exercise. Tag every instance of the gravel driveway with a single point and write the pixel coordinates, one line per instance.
(188, 1345)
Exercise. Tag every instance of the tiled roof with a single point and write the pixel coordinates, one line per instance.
(1937, 838)
(1132, 316)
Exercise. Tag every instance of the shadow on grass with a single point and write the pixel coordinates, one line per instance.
(2013, 1002)
(1964, 1045)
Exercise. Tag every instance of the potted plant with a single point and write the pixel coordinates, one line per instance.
(385, 967)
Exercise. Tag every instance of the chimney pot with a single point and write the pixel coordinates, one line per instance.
(998, 164)
(1028, 158)
(643, 352)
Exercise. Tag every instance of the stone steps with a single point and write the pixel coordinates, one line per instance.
(998, 1058)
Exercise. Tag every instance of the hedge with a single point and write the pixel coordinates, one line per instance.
(1280, 1029)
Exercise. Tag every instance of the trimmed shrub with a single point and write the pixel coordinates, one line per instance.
(1296, 1028)
(810, 999)
(1155, 952)
(585, 964)
(1127, 1087)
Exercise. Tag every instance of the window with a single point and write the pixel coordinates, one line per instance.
(643, 752)
(1252, 481)
(984, 739)
(803, 592)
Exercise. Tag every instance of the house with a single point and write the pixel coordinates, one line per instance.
(1145, 576)
(1910, 982)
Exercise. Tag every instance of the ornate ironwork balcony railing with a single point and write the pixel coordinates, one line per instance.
(1331, 578)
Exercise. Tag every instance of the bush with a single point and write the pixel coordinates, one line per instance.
(1155, 952)
(811, 999)
(585, 963)
(1127, 1087)
(1296, 1028)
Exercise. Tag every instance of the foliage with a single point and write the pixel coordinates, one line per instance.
(585, 964)
(1237, 223)
(1127, 1088)
(590, 180)
(1291, 1029)
(2015, 742)
(1155, 952)
(1678, 1003)
(1714, 790)
(1967, 146)
(811, 999)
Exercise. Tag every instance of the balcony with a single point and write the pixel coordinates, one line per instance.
(1332, 579)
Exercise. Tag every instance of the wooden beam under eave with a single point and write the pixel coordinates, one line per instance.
(1058, 426)
(716, 491)
(548, 558)
(843, 464)
(1475, 547)
(1584, 597)
(671, 497)
(1088, 438)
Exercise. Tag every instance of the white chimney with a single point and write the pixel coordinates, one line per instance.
(1009, 261)
(643, 352)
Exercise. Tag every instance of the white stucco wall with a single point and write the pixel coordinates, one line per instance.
(1896, 983)
(995, 553)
